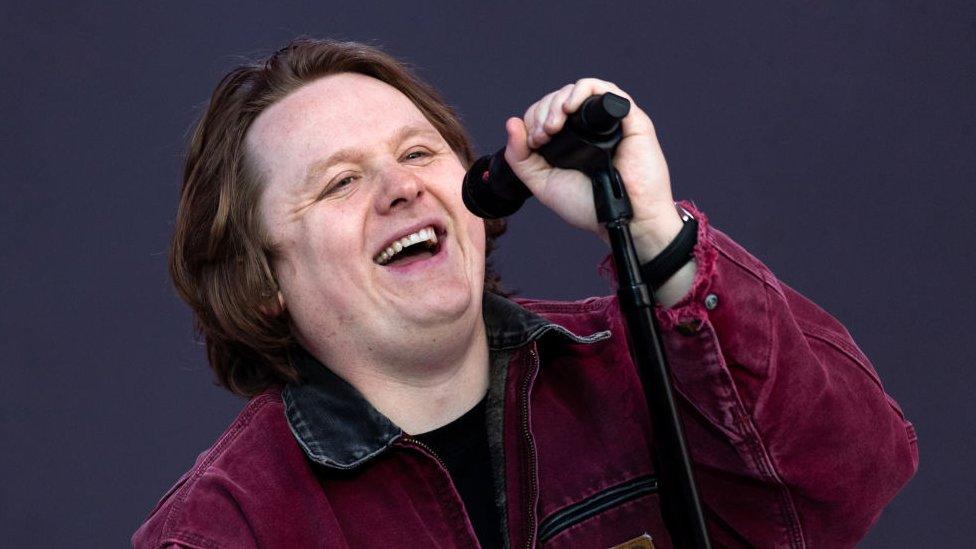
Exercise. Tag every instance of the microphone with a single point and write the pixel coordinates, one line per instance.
(491, 189)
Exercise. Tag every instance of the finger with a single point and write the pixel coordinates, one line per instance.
(528, 122)
(557, 116)
(635, 122)
(529, 167)
(517, 148)
(536, 125)
(585, 87)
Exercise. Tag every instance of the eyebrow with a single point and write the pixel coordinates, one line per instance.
(319, 167)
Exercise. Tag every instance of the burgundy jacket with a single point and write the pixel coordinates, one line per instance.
(794, 441)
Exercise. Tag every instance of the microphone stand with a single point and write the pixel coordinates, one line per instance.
(592, 153)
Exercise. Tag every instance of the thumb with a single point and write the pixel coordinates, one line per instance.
(517, 149)
(528, 166)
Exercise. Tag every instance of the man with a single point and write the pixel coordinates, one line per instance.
(398, 398)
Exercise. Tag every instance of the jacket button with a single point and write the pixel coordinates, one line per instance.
(711, 301)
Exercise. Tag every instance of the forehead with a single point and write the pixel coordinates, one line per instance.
(332, 113)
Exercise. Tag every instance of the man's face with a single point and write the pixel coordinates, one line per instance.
(352, 169)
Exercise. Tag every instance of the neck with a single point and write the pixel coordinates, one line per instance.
(427, 384)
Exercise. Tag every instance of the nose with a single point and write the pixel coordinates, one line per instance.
(399, 189)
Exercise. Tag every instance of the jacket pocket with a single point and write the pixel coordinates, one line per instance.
(595, 504)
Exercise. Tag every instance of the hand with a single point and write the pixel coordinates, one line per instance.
(568, 192)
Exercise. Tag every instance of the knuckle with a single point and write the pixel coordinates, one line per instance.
(542, 113)
(590, 81)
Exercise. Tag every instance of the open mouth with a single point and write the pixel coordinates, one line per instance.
(417, 246)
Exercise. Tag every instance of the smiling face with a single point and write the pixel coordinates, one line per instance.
(352, 169)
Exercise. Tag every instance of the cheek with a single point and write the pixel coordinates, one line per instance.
(331, 245)
(317, 250)
(474, 225)
(476, 228)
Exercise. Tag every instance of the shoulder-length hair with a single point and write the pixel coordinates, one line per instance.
(219, 258)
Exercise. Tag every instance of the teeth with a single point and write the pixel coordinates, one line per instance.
(423, 235)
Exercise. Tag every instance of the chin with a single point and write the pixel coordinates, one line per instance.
(445, 304)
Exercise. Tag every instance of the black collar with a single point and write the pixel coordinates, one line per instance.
(338, 428)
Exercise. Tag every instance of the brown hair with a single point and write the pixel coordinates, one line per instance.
(219, 260)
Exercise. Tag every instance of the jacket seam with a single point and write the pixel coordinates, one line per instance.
(831, 339)
(787, 505)
(761, 457)
(848, 348)
(756, 272)
(763, 461)
(218, 449)
(189, 540)
(814, 330)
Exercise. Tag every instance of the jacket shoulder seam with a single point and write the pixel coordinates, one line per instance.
(179, 498)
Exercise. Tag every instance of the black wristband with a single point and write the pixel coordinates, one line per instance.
(658, 270)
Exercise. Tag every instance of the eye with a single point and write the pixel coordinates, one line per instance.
(340, 185)
(416, 155)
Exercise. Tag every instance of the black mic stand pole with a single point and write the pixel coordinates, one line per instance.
(679, 503)
(593, 155)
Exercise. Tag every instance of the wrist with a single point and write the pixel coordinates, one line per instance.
(652, 236)
(674, 256)
(677, 287)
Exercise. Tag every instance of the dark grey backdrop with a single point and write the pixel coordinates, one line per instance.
(834, 140)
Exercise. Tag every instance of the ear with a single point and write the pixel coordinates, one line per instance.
(271, 308)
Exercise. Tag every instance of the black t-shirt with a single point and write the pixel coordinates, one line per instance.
(463, 447)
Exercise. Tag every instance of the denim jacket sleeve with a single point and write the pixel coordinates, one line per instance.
(794, 440)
